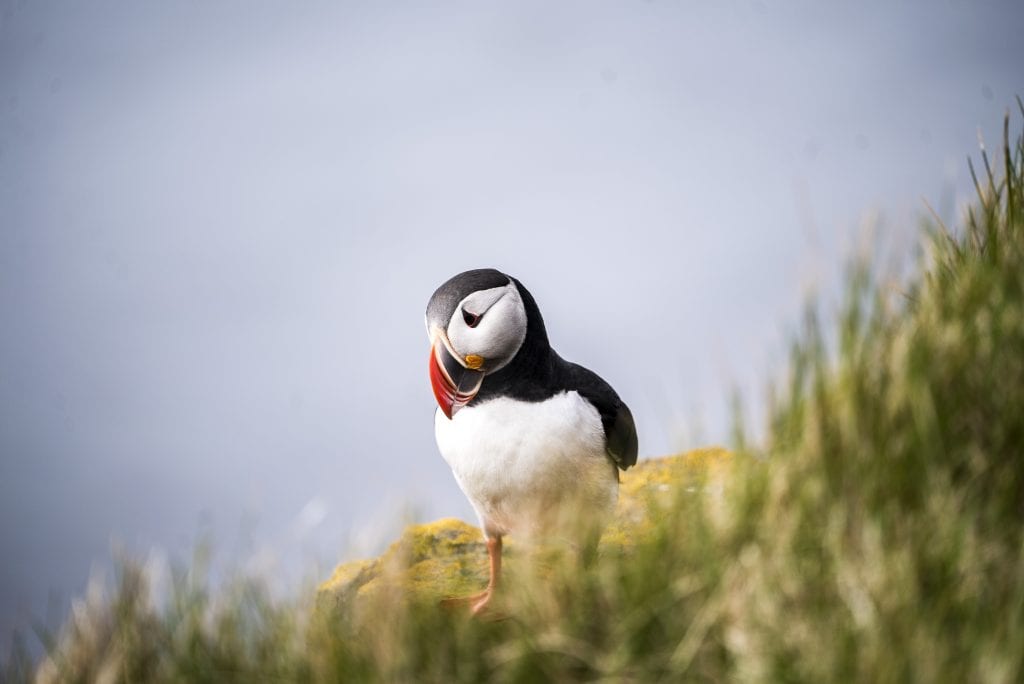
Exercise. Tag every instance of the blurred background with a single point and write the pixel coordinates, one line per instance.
(220, 224)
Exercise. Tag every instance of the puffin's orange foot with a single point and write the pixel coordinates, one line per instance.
(479, 604)
(456, 602)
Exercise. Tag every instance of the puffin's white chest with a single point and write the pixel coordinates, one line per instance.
(530, 467)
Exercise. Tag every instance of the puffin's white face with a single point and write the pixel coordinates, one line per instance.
(477, 323)
(488, 327)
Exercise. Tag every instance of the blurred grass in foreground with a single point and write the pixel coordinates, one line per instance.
(876, 536)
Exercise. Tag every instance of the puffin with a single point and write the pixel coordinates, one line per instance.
(535, 442)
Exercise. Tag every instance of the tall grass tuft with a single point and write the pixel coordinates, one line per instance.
(876, 535)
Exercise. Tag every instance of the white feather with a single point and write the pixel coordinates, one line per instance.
(531, 468)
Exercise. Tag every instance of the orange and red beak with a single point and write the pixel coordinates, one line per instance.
(454, 383)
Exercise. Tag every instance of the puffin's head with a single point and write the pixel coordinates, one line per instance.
(476, 322)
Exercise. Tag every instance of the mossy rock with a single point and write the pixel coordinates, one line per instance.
(448, 557)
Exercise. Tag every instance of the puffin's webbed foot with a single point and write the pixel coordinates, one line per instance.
(477, 602)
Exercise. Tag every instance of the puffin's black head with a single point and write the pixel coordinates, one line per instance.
(476, 321)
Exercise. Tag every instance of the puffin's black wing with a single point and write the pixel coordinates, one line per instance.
(620, 437)
(619, 429)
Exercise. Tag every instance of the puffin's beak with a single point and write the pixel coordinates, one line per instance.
(454, 384)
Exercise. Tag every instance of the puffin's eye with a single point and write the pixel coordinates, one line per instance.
(471, 319)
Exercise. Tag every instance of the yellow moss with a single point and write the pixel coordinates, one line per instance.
(442, 537)
(348, 573)
(672, 470)
(448, 576)
(656, 482)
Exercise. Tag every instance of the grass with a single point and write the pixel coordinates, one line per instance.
(876, 535)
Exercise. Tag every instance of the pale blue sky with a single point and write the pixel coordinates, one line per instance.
(220, 224)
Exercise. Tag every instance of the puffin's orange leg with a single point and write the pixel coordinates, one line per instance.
(494, 555)
(478, 602)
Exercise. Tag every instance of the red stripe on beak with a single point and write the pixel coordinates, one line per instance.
(444, 390)
(452, 393)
